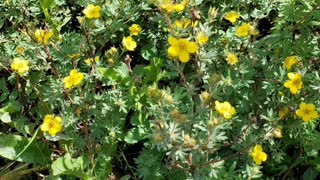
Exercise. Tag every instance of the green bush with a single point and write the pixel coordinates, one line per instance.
(159, 89)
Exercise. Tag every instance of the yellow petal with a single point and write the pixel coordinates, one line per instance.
(184, 56)
(68, 82)
(172, 41)
(192, 47)
(173, 51)
(44, 127)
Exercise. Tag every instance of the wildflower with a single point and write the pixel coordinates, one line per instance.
(225, 109)
(73, 79)
(181, 24)
(232, 16)
(295, 83)
(51, 124)
(20, 66)
(91, 60)
(277, 133)
(232, 59)
(283, 113)
(92, 11)
(43, 36)
(129, 43)
(178, 8)
(134, 29)
(307, 112)
(168, 7)
(202, 38)
(258, 155)
(181, 48)
(290, 61)
(243, 30)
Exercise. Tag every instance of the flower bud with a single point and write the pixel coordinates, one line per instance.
(214, 79)
(212, 13)
(277, 133)
(177, 116)
(157, 138)
(212, 123)
(205, 98)
(189, 141)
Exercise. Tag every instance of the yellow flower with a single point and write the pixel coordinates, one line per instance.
(295, 83)
(225, 109)
(134, 29)
(129, 43)
(258, 155)
(277, 133)
(307, 112)
(20, 66)
(51, 125)
(181, 48)
(167, 7)
(232, 16)
(73, 79)
(202, 38)
(181, 24)
(290, 61)
(283, 113)
(43, 36)
(90, 60)
(178, 8)
(243, 30)
(92, 11)
(232, 59)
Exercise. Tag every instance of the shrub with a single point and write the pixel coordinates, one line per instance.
(159, 89)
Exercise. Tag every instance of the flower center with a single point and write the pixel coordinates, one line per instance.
(306, 111)
(296, 82)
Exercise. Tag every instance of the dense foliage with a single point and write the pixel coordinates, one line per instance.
(159, 89)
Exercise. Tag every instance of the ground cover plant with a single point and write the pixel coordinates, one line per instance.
(159, 89)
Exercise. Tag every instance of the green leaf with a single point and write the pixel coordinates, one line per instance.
(310, 174)
(122, 70)
(68, 166)
(23, 126)
(108, 73)
(47, 4)
(135, 135)
(5, 117)
(148, 52)
(12, 145)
